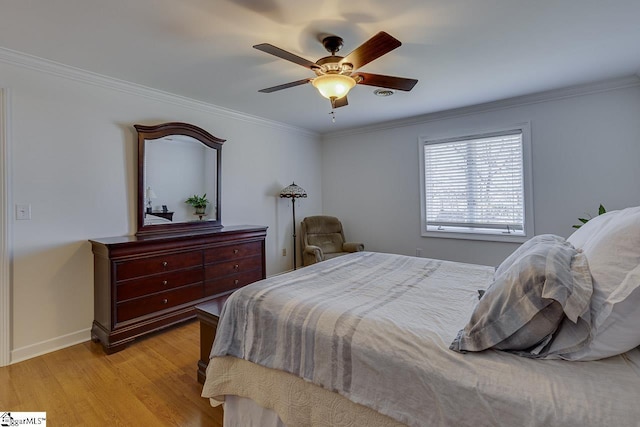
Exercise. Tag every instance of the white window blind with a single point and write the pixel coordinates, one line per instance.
(475, 184)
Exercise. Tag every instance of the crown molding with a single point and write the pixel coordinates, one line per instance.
(550, 95)
(31, 62)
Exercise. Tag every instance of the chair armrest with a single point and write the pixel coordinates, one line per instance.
(352, 247)
(312, 254)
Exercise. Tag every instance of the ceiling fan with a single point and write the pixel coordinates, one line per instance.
(336, 75)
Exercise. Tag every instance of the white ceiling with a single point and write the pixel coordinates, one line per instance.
(463, 52)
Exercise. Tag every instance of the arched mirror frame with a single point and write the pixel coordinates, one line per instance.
(161, 131)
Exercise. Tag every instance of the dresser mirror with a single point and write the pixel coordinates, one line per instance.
(178, 162)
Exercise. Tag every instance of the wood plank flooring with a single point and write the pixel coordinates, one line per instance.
(150, 383)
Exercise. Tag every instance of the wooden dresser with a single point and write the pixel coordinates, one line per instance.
(145, 283)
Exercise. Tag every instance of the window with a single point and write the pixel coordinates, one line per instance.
(477, 186)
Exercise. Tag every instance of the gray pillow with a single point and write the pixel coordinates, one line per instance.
(535, 332)
(542, 239)
(532, 291)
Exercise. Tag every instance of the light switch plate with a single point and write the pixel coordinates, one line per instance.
(23, 211)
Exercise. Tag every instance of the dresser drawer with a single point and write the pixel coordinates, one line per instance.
(157, 283)
(157, 264)
(229, 252)
(230, 283)
(213, 271)
(150, 304)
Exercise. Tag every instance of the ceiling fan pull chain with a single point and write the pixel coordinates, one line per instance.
(333, 116)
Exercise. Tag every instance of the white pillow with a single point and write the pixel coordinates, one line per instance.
(611, 243)
(580, 237)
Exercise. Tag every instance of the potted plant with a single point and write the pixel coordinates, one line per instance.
(198, 202)
(601, 210)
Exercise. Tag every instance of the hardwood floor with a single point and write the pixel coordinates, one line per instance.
(150, 383)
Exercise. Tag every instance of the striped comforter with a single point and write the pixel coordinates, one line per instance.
(376, 329)
(352, 323)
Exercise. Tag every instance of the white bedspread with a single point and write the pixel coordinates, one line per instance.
(376, 328)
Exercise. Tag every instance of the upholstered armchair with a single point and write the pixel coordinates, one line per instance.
(322, 238)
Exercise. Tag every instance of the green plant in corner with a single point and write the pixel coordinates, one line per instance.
(601, 210)
(198, 202)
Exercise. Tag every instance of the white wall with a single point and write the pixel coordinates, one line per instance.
(73, 157)
(585, 151)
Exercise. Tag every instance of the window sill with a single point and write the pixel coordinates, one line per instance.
(490, 236)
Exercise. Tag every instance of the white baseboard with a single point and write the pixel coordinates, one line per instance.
(280, 274)
(58, 343)
(51, 345)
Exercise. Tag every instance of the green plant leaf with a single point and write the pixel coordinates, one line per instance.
(601, 210)
(198, 201)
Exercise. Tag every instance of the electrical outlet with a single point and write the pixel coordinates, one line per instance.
(284, 252)
(23, 211)
(418, 252)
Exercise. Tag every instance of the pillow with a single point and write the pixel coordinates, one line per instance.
(534, 288)
(587, 230)
(523, 249)
(611, 243)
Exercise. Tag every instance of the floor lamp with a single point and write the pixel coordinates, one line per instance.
(293, 192)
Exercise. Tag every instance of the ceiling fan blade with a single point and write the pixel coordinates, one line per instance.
(373, 48)
(285, 86)
(340, 102)
(280, 53)
(389, 82)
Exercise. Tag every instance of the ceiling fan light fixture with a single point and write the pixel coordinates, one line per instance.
(334, 73)
(333, 85)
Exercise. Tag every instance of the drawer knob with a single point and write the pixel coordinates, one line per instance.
(235, 251)
(165, 263)
(164, 301)
(236, 267)
(164, 282)
(235, 282)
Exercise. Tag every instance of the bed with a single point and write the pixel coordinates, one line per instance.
(369, 339)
